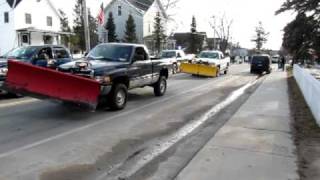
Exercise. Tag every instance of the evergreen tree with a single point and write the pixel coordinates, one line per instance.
(158, 33)
(64, 25)
(260, 37)
(130, 32)
(302, 6)
(298, 37)
(194, 25)
(78, 40)
(309, 11)
(111, 27)
(193, 37)
(93, 28)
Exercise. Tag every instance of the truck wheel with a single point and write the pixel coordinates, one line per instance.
(118, 97)
(225, 71)
(218, 72)
(160, 87)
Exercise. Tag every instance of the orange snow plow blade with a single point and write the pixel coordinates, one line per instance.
(43, 83)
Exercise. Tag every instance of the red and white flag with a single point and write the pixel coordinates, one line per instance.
(101, 15)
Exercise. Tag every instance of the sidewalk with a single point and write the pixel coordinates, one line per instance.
(254, 144)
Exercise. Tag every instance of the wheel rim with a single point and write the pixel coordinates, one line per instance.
(162, 86)
(120, 97)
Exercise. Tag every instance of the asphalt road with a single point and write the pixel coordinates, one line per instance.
(44, 140)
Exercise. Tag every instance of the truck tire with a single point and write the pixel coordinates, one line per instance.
(218, 72)
(226, 71)
(118, 97)
(160, 87)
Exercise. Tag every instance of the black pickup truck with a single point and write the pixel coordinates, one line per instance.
(118, 68)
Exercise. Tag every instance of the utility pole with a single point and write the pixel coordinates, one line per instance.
(86, 25)
(214, 32)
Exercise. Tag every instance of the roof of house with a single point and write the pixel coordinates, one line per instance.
(187, 34)
(143, 5)
(11, 3)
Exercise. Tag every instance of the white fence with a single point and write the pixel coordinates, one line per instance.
(310, 88)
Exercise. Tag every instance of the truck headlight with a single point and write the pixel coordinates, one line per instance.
(103, 79)
(3, 71)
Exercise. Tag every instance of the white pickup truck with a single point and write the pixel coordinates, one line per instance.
(175, 57)
(215, 58)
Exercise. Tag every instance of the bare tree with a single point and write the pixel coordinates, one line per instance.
(168, 7)
(222, 28)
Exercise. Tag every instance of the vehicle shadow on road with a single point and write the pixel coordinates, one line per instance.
(8, 97)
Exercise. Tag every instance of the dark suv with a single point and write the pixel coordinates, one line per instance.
(49, 56)
(260, 64)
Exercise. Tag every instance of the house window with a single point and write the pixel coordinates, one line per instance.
(25, 38)
(119, 10)
(6, 17)
(49, 21)
(28, 18)
(47, 39)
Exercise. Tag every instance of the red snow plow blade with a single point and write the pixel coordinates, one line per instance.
(45, 83)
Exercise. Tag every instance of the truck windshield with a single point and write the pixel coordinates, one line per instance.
(22, 53)
(110, 52)
(168, 54)
(210, 55)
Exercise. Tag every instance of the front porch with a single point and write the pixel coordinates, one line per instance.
(32, 36)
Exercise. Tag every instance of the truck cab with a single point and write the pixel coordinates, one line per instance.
(119, 67)
(216, 58)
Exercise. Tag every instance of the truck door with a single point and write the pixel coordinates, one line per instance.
(141, 69)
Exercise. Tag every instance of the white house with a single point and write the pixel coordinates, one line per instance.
(28, 22)
(143, 12)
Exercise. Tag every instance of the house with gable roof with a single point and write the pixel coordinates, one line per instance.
(28, 22)
(143, 12)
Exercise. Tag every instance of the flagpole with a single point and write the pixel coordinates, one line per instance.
(86, 25)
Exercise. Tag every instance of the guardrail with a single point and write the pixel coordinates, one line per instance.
(310, 88)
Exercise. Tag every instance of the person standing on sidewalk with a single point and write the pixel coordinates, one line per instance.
(283, 62)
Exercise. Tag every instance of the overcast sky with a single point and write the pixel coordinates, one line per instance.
(245, 15)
